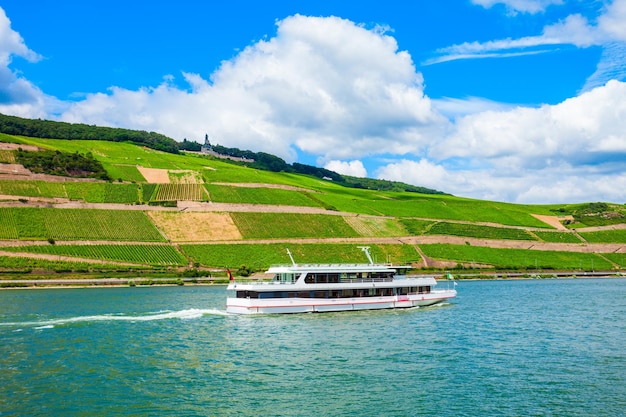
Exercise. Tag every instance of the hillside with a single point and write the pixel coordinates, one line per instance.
(187, 215)
(18, 126)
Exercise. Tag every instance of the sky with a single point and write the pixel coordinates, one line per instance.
(521, 101)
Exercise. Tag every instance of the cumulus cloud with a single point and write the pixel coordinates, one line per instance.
(18, 96)
(576, 148)
(352, 168)
(324, 86)
(541, 136)
(613, 20)
(11, 43)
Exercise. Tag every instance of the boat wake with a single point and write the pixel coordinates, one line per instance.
(192, 313)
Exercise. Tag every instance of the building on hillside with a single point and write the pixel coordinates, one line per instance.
(207, 149)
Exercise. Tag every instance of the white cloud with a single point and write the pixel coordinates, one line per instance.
(422, 172)
(541, 136)
(574, 30)
(18, 96)
(613, 20)
(12, 44)
(524, 6)
(323, 85)
(552, 185)
(572, 150)
(352, 168)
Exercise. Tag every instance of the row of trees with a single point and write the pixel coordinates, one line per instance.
(38, 128)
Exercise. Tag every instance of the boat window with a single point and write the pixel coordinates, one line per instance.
(247, 294)
(274, 294)
(285, 278)
(322, 278)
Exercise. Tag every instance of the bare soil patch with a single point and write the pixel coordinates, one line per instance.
(554, 221)
(15, 146)
(14, 169)
(195, 226)
(155, 175)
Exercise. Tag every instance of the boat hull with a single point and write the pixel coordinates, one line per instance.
(308, 305)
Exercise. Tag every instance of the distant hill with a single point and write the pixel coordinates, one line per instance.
(49, 129)
(38, 128)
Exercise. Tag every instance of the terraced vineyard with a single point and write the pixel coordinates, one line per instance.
(291, 225)
(180, 192)
(259, 195)
(140, 254)
(225, 215)
(517, 259)
(121, 193)
(76, 224)
(473, 230)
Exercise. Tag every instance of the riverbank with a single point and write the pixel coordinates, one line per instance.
(146, 282)
(106, 282)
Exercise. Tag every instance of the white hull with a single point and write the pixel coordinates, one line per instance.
(311, 305)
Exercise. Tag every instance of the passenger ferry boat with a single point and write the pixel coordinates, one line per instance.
(341, 287)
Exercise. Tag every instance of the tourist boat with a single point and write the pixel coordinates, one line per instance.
(323, 288)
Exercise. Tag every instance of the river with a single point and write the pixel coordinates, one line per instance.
(501, 348)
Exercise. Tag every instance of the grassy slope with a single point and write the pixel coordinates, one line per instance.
(408, 213)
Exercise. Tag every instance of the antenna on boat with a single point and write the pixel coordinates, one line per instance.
(366, 249)
(291, 257)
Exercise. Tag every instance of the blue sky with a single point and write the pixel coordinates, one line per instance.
(513, 100)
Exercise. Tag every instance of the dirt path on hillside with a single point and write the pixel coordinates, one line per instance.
(49, 257)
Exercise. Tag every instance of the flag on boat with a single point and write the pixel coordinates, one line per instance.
(230, 276)
(449, 276)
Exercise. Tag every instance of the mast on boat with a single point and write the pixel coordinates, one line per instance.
(291, 257)
(366, 249)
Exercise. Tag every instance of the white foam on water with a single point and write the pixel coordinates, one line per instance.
(192, 313)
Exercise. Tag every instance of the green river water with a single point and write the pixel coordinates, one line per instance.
(501, 348)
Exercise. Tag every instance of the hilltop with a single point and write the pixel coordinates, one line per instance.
(187, 215)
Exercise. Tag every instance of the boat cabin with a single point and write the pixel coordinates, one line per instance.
(339, 293)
